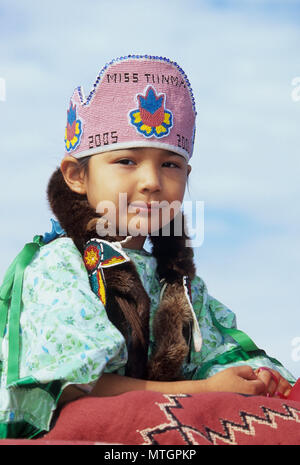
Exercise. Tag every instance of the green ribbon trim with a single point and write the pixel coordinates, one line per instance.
(36, 416)
(11, 298)
(54, 388)
(20, 430)
(5, 295)
(236, 354)
(239, 336)
(245, 350)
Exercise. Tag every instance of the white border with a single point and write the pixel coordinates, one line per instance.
(130, 145)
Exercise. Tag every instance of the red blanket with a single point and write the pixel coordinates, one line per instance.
(151, 418)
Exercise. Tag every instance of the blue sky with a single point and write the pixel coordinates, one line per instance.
(240, 57)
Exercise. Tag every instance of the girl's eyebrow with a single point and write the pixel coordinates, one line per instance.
(116, 153)
(126, 153)
(168, 154)
(176, 155)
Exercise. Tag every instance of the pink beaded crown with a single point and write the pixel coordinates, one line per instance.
(136, 101)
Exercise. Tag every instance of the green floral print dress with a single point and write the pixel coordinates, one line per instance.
(65, 336)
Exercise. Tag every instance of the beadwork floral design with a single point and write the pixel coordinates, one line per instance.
(151, 118)
(91, 257)
(73, 129)
(99, 254)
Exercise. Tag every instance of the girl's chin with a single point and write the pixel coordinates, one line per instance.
(142, 224)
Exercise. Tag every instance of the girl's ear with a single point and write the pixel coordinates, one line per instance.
(189, 169)
(74, 174)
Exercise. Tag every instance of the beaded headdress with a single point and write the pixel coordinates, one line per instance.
(136, 101)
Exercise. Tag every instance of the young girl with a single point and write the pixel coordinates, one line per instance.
(86, 310)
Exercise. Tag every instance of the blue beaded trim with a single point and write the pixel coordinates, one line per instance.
(56, 232)
(136, 57)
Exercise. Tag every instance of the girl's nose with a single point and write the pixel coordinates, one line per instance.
(149, 180)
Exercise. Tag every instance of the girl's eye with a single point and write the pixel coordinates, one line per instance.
(171, 164)
(125, 161)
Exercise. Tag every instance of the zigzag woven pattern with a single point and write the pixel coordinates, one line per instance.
(232, 430)
(151, 418)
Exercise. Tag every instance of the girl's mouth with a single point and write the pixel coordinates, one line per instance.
(144, 207)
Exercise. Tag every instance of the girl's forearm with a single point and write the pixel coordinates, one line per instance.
(241, 379)
(113, 385)
(110, 384)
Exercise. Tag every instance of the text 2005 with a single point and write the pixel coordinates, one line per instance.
(96, 140)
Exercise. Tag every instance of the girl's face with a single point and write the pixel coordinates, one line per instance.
(144, 177)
